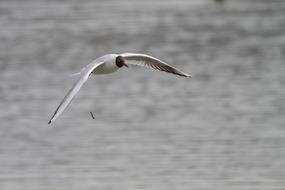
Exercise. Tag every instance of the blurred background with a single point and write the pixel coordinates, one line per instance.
(222, 129)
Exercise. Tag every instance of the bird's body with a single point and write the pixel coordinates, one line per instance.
(108, 64)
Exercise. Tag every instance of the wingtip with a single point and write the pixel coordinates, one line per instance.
(49, 122)
(186, 75)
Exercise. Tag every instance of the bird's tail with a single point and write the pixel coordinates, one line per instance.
(75, 74)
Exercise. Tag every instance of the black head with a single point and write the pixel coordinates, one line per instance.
(120, 61)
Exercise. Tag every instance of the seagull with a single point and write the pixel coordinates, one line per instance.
(108, 64)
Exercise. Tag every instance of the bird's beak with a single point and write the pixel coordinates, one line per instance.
(126, 65)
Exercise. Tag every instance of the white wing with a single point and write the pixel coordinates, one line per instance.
(151, 62)
(84, 74)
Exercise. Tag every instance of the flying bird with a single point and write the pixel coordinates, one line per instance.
(108, 64)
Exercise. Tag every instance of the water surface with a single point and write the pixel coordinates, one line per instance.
(223, 129)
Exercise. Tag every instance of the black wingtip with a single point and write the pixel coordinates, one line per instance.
(49, 122)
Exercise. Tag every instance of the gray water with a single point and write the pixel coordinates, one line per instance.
(222, 129)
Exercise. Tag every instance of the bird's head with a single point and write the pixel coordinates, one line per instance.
(120, 61)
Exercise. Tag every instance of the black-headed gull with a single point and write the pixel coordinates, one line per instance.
(108, 64)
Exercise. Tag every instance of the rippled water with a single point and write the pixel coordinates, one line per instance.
(222, 129)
